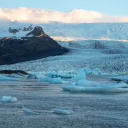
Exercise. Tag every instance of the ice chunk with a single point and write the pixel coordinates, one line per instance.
(88, 86)
(62, 75)
(52, 80)
(80, 75)
(52, 74)
(61, 111)
(8, 99)
(40, 75)
(106, 88)
(15, 75)
(98, 89)
(55, 81)
(120, 78)
(67, 87)
(4, 78)
(116, 85)
(32, 77)
(86, 83)
(28, 111)
(45, 79)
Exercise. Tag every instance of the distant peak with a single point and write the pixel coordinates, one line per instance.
(37, 32)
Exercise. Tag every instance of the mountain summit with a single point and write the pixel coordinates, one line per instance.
(37, 32)
(35, 45)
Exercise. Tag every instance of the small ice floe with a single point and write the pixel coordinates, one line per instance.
(53, 80)
(79, 75)
(92, 87)
(57, 81)
(45, 79)
(86, 83)
(29, 111)
(4, 78)
(8, 99)
(32, 77)
(15, 75)
(82, 83)
(61, 111)
(62, 75)
(67, 86)
(123, 78)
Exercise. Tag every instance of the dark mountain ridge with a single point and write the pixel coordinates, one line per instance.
(35, 45)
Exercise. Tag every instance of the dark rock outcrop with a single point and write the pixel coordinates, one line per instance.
(37, 32)
(13, 71)
(39, 45)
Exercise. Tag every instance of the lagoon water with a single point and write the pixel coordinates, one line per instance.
(90, 110)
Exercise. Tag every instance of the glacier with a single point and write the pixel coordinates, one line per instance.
(93, 45)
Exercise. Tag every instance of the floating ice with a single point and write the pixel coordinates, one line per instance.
(15, 75)
(45, 79)
(62, 75)
(86, 83)
(79, 75)
(55, 81)
(38, 75)
(30, 112)
(32, 77)
(52, 80)
(4, 78)
(88, 86)
(61, 111)
(8, 99)
(67, 86)
(120, 78)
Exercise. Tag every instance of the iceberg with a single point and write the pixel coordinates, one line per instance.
(8, 99)
(4, 78)
(14, 75)
(67, 86)
(55, 81)
(45, 79)
(61, 111)
(61, 75)
(92, 87)
(79, 75)
(52, 80)
(120, 78)
(29, 112)
(86, 83)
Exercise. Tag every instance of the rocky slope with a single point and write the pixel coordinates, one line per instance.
(35, 45)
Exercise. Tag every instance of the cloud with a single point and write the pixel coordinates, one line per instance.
(32, 15)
